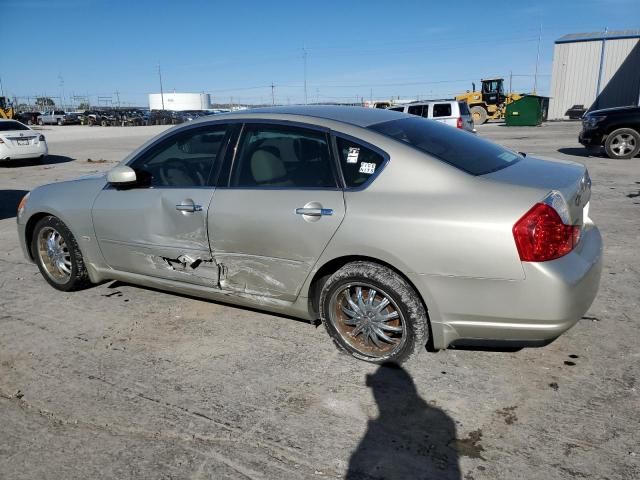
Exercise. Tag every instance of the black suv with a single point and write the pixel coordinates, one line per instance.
(618, 129)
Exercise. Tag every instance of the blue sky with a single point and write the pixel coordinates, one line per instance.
(238, 49)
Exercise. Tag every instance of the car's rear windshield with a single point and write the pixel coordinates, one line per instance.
(463, 150)
(10, 126)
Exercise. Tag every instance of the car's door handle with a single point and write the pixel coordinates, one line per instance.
(188, 207)
(314, 212)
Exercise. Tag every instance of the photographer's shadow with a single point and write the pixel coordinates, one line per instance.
(410, 439)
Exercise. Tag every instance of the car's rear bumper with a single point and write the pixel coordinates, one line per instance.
(17, 153)
(551, 299)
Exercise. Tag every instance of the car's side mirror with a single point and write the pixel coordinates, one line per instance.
(121, 176)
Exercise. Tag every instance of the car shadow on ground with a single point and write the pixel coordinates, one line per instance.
(30, 162)
(579, 152)
(409, 439)
(116, 284)
(9, 200)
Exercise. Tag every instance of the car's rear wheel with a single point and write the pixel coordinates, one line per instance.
(103, 123)
(479, 115)
(622, 144)
(40, 122)
(57, 255)
(373, 314)
(60, 122)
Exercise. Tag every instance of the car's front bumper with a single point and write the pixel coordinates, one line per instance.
(591, 138)
(551, 299)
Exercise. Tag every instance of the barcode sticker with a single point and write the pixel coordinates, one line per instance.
(367, 168)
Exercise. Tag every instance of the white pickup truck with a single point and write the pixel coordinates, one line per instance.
(56, 117)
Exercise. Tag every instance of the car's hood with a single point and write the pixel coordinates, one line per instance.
(610, 111)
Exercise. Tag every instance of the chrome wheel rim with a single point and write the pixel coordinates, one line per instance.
(623, 144)
(368, 319)
(54, 255)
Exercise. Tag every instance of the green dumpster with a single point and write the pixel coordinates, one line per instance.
(530, 111)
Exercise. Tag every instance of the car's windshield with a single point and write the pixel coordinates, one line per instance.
(461, 149)
(10, 126)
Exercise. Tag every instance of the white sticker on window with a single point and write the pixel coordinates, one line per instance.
(352, 157)
(367, 168)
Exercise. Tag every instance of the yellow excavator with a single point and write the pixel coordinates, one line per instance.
(490, 102)
(5, 110)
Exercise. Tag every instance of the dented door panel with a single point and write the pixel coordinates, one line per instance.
(143, 231)
(265, 248)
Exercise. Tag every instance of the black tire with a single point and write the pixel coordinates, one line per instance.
(385, 283)
(104, 123)
(60, 122)
(78, 277)
(40, 122)
(479, 115)
(622, 144)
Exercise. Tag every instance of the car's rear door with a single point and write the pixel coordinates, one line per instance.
(159, 227)
(276, 211)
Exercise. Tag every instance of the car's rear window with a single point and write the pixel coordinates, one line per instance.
(464, 108)
(463, 150)
(11, 125)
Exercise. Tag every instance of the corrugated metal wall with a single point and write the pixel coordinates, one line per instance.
(576, 66)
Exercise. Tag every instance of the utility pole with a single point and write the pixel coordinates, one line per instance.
(535, 77)
(62, 89)
(161, 91)
(273, 95)
(511, 82)
(1, 88)
(304, 56)
(118, 97)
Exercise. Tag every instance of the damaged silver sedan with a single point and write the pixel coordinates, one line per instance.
(393, 230)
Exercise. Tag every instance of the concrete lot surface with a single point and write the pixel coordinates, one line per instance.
(120, 382)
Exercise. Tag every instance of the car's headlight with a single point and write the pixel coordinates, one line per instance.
(22, 204)
(593, 121)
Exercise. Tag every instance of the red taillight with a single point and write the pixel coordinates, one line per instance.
(540, 235)
(459, 122)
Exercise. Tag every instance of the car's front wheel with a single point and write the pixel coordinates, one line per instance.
(622, 144)
(373, 314)
(57, 255)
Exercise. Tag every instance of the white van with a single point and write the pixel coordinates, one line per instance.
(451, 112)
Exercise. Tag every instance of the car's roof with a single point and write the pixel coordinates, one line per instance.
(359, 116)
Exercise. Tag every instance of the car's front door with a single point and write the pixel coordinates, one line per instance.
(277, 212)
(159, 227)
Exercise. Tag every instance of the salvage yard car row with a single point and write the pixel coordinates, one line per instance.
(110, 117)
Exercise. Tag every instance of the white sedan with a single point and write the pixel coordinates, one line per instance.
(17, 141)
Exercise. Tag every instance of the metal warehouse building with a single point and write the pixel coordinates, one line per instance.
(179, 101)
(597, 70)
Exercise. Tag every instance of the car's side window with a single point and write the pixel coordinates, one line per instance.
(282, 156)
(415, 110)
(358, 163)
(185, 159)
(441, 110)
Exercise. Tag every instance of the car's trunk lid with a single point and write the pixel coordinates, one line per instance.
(568, 178)
(18, 138)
